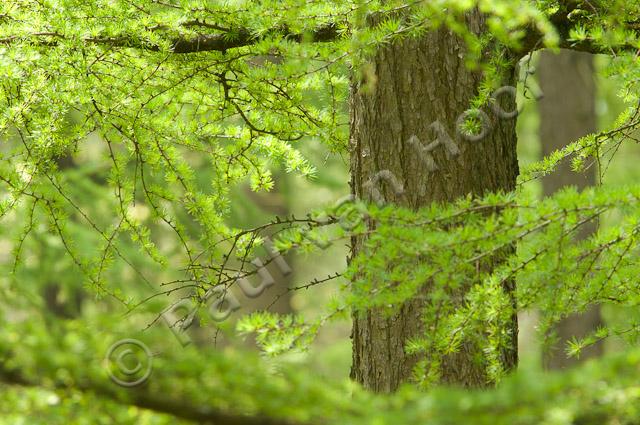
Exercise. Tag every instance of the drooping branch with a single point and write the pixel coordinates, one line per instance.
(563, 20)
(139, 397)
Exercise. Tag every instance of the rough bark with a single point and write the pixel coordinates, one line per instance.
(567, 112)
(412, 84)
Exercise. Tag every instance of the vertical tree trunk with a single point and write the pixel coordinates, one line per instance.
(567, 112)
(412, 84)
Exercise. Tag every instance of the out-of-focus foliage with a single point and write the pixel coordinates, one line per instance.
(74, 388)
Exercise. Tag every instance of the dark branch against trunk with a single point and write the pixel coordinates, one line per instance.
(220, 42)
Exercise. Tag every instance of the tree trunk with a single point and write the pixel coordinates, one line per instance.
(567, 112)
(411, 85)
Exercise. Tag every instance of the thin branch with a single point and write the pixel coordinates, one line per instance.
(563, 24)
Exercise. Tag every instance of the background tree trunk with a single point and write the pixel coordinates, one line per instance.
(410, 85)
(276, 299)
(567, 112)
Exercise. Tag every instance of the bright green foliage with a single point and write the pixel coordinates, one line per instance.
(126, 124)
